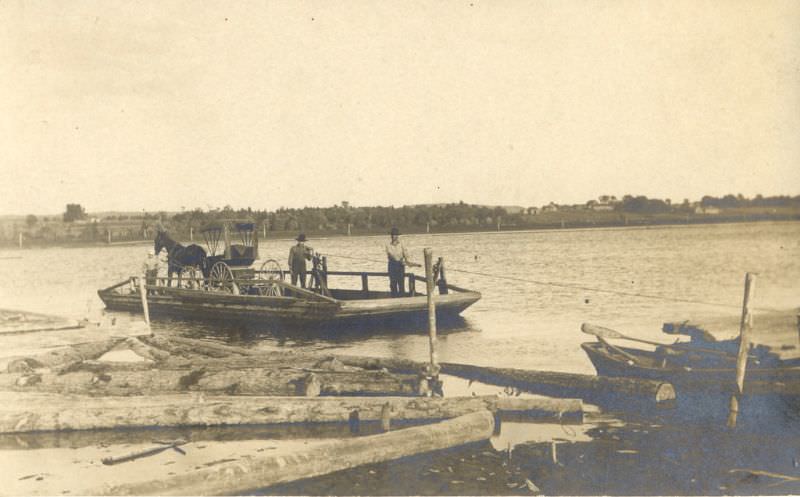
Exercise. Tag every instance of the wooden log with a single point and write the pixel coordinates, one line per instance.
(246, 381)
(62, 356)
(144, 350)
(567, 384)
(178, 345)
(264, 470)
(391, 364)
(540, 382)
(38, 412)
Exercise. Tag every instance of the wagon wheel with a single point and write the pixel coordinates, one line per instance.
(191, 277)
(270, 273)
(221, 279)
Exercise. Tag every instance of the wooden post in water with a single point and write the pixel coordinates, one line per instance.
(143, 294)
(20, 239)
(108, 231)
(348, 229)
(434, 365)
(191, 234)
(745, 326)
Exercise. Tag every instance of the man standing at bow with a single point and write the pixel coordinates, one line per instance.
(298, 255)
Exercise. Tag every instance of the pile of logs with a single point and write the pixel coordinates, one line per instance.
(151, 381)
(185, 382)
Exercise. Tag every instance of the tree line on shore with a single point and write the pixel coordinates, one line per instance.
(75, 224)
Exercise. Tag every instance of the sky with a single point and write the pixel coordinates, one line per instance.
(166, 105)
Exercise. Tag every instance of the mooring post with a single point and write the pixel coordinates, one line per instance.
(434, 365)
(191, 234)
(20, 239)
(745, 326)
(109, 235)
(143, 295)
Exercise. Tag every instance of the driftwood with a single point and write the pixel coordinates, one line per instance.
(540, 382)
(246, 381)
(45, 412)
(249, 473)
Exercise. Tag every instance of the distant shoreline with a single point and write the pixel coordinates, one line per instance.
(319, 234)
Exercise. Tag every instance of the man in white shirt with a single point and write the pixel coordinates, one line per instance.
(398, 260)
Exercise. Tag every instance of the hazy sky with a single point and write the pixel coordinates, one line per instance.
(170, 104)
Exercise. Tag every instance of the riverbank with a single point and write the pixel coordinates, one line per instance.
(567, 221)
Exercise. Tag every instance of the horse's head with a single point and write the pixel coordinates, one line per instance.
(161, 242)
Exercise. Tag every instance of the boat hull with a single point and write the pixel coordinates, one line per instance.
(644, 364)
(287, 311)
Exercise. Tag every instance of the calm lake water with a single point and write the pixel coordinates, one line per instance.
(519, 322)
(544, 285)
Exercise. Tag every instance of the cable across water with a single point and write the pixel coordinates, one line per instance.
(578, 287)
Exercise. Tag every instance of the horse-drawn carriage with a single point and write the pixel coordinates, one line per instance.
(226, 265)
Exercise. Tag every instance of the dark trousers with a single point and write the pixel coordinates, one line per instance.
(397, 273)
(301, 275)
(150, 279)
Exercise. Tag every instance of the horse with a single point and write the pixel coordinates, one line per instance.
(179, 257)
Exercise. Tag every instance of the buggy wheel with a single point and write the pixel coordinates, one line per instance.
(220, 279)
(270, 273)
(192, 277)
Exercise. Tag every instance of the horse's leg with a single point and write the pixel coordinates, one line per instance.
(169, 277)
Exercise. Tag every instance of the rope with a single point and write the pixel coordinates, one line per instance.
(584, 288)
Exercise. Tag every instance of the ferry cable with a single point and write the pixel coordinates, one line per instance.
(585, 288)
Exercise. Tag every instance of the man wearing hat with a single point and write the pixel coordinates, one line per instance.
(398, 260)
(298, 255)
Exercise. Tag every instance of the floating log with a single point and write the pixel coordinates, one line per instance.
(62, 356)
(36, 412)
(567, 384)
(249, 473)
(245, 381)
(540, 382)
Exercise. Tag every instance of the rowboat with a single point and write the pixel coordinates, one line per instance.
(695, 370)
(261, 296)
